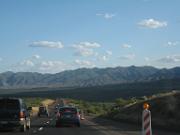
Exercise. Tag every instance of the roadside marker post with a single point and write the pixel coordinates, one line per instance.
(146, 120)
(82, 115)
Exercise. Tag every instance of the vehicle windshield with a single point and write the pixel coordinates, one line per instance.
(68, 110)
(42, 108)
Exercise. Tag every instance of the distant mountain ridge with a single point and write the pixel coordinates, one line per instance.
(85, 77)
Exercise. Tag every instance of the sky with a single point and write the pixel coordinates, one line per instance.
(50, 36)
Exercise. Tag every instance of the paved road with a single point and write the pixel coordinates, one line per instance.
(89, 126)
(45, 126)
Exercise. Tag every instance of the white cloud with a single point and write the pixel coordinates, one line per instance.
(36, 56)
(152, 24)
(128, 57)
(106, 15)
(103, 58)
(147, 59)
(170, 44)
(47, 44)
(84, 63)
(35, 64)
(87, 45)
(106, 56)
(126, 46)
(44, 66)
(109, 53)
(84, 52)
(96, 54)
(1, 59)
(170, 59)
(85, 48)
(51, 66)
(27, 63)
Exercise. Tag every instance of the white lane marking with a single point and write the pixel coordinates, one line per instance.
(46, 123)
(40, 129)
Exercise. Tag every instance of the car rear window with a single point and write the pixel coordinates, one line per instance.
(9, 104)
(68, 110)
(42, 108)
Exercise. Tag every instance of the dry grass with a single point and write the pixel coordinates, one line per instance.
(45, 102)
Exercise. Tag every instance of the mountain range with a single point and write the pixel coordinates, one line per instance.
(85, 77)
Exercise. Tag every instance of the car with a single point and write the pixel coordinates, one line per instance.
(68, 116)
(14, 114)
(43, 111)
(56, 108)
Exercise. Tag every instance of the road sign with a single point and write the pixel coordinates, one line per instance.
(146, 120)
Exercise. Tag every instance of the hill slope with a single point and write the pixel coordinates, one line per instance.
(164, 110)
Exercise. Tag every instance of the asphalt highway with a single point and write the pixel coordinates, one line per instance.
(89, 126)
(46, 126)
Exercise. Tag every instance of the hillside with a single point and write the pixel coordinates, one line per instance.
(87, 77)
(164, 110)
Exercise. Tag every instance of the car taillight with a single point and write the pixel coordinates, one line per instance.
(21, 115)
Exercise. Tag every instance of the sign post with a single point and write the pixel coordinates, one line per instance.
(146, 120)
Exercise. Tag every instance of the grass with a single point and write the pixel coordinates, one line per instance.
(102, 108)
(92, 108)
(34, 102)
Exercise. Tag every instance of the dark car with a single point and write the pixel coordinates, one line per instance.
(14, 114)
(43, 111)
(68, 116)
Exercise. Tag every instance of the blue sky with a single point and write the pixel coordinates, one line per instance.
(50, 36)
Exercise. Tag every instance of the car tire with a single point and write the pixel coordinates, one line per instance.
(58, 124)
(23, 128)
(78, 125)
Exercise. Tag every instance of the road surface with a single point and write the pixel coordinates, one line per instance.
(89, 126)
